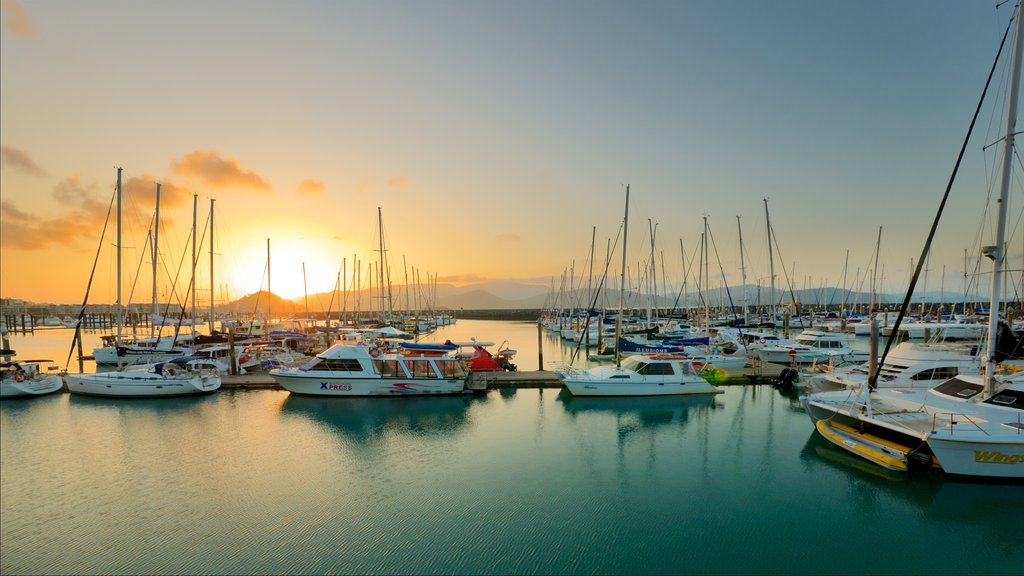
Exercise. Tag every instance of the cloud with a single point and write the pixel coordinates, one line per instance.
(218, 172)
(362, 187)
(311, 188)
(19, 160)
(21, 231)
(17, 19)
(143, 190)
(398, 182)
(508, 238)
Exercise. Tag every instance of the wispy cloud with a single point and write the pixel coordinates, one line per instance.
(21, 231)
(17, 19)
(311, 188)
(143, 189)
(398, 182)
(18, 159)
(217, 172)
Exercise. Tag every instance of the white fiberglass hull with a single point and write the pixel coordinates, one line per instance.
(590, 388)
(10, 388)
(139, 384)
(300, 382)
(976, 453)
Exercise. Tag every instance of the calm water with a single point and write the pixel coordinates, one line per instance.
(525, 481)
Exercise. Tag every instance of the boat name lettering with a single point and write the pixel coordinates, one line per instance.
(329, 386)
(994, 457)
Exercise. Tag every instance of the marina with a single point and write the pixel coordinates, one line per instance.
(254, 479)
(216, 358)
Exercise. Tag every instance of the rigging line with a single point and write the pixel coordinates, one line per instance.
(728, 293)
(873, 377)
(81, 313)
(785, 273)
(191, 286)
(586, 326)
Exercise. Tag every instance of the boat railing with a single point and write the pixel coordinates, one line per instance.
(953, 422)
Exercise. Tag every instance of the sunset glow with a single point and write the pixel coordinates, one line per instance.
(494, 137)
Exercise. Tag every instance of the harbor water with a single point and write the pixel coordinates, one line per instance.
(527, 481)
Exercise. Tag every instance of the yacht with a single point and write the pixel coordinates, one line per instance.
(640, 375)
(811, 347)
(176, 377)
(367, 369)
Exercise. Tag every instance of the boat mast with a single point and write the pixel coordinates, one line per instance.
(998, 253)
(266, 325)
(743, 270)
(212, 308)
(117, 337)
(380, 265)
(622, 280)
(195, 207)
(707, 284)
(156, 237)
(771, 262)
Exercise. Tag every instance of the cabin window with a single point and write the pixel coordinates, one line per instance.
(340, 365)
(452, 368)
(656, 369)
(959, 388)
(389, 368)
(421, 369)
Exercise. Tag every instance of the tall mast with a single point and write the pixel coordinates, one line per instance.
(380, 265)
(743, 270)
(771, 261)
(622, 282)
(998, 252)
(212, 308)
(266, 325)
(156, 253)
(120, 319)
(305, 295)
(195, 207)
(707, 282)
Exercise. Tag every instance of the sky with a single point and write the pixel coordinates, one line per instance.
(495, 137)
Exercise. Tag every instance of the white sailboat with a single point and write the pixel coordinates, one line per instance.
(968, 425)
(173, 378)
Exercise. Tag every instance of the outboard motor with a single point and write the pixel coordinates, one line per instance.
(786, 379)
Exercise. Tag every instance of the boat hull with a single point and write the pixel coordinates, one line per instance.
(592, 388)
(31, 387)
(968, 453)
(128, 385)
(302, 383)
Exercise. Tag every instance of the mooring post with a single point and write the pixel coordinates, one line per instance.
(540, 345)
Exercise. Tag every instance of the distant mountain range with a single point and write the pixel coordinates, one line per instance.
(510, 295)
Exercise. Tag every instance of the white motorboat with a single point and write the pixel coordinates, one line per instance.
(365, 369)
(141, 351)
(640, 375)
(911, 365)
(25, 379)
(810, 347)
(176, 377)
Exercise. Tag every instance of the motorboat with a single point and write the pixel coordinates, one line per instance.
(367, 369)
(812, 347)
(640, 375)
(910, 365)
(24, 378)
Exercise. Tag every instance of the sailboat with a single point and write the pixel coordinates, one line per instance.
(659, 374)
(176, 377)
(967, 425)
(23, 378)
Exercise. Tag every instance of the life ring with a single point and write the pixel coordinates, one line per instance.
(791, 352)
(762, 340)
(374, 351)
(20, 376)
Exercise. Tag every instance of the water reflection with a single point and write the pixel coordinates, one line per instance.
(365, 419)
(157, 406)
(640, 411)
(935, 495)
